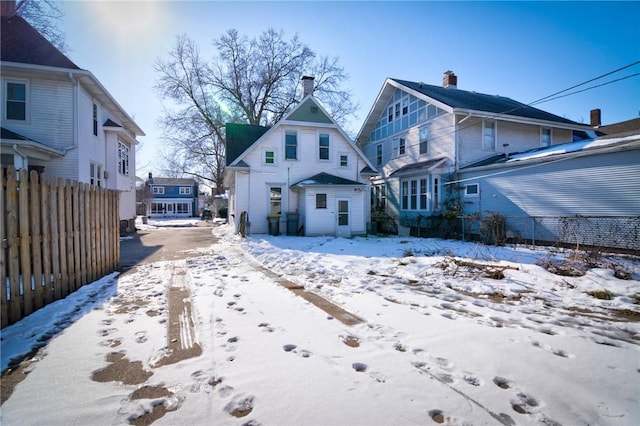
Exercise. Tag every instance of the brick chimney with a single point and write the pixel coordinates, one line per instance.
(7, 8)
(307, 85)
(450, 79)
(596, 117)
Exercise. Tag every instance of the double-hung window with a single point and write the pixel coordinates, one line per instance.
(414, 194)
(379, 154)
(321, 201)
(95, 119)
(123, 159)
(323, 146)
(489, 136)
(424, 140)
(185, 190)
(16, 100)
(95, 174)
(399, 147)
(290, 145)
(159, 190)
(344, 160)
(269, 156)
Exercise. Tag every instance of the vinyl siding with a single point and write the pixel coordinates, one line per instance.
(596, 185)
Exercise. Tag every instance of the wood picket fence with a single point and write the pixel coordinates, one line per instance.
(57, 235)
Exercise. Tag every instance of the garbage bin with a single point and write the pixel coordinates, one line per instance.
(274, 224)
(292, 223)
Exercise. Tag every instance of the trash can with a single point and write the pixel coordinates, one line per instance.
(292, 223)
(274, 224)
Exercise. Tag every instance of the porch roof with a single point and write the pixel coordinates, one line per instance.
(428, 165)
(324, 179)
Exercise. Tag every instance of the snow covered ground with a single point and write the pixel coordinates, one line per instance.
(441, 341)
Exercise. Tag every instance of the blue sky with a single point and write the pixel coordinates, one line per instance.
(522, 50)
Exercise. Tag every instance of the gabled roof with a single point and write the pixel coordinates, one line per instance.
(111, 123)
(324, 179)
(8, 134)
(422, 165)
(239, 137)
(623, 127)
(461, 101)
(28, 146)
(22, 43)
(172, 181)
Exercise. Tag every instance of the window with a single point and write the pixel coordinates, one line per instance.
(413, 196)
(424, 140)
(269, 157)
(414, 193)
(472, 190)
(344, 160)
(291, 145)
(323, 146)
(405, 106)
(545, 138)
(95, 174)
(16, 101)
(123, 159)
(95, 119)
(343, 213)
(397, 110)
(275, 200)
(436, 193)
(390, 115)
(489, 136)
(185, 190)
(379, 196)
(182, 208)
(157, 190)
(404, 196)
(399, 147)
(423, 194)
(379, 154)
(321, 201)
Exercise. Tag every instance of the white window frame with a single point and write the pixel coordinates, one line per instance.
(416, 194)
(491, 145)
(399, 147)
(346, 156)
(321, 148)
(94, 115)
(423, 137)
(274, 157)
(185, 190)
(293, 133)
(474, 194)
(543, 136)
(379, 154)
(95, 174)
(123, 159)
(157, 190)
(5, 100)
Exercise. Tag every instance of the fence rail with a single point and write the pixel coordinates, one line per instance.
(57, 235)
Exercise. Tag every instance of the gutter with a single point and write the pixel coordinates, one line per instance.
(25, 159)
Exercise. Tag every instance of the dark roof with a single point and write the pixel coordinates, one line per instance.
(418, 166)
(8, 134)
(239, 137)
(325, 179)
(173, 181)
(368, 171)
(463, 99)
(111, 123)
(622, 127)
(22, 43)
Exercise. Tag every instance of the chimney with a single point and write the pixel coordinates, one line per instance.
(7, 8)
(150, 175)
(450, 79)
(307, 85)
(596, 117)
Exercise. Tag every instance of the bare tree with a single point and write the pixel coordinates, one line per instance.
(44, 16)
(250, 80)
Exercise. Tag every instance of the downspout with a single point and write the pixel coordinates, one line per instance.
(74, 117)
(25, 159)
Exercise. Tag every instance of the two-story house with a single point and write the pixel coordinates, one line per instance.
(58, 119)
(172, 197)
(419, 136)
(304, 174)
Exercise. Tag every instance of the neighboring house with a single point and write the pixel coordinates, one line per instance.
(594, 183)
(59, 120)
(172, 197)
(419, 136)
(304, 172)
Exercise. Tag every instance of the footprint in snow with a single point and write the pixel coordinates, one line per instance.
(501, 382)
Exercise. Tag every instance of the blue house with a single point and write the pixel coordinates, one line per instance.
(172, 197)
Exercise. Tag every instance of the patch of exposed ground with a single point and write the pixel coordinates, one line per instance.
(121, 370)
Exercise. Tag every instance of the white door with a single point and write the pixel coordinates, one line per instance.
(343, 226)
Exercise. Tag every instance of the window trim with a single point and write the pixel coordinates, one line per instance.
(542, 135)
(418, 193)
(95, 174)
(123, 159)
(321, 148)
(475, 194)
(274, 156)
(286, 145)
(398, 147)
(379, 154)
(347, 158)
(5, 100)
(157, 190)
(320, 202)
(494, 142)
(184, 190)
(94, 113)
(423, 144)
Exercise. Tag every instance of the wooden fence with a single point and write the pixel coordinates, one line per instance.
(57, 235)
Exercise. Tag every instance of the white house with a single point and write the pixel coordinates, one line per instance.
(304, 173)
(419, 135)
(58, 119)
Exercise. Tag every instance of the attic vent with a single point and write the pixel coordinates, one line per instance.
(314, 110)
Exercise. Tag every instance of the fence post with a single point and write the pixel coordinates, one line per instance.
(25, 243)
(36, 240)
(11, 207)
(45, 211)
(4, 301)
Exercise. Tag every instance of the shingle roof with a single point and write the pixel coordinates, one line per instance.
(173, 181)
(239, 137)
(21, 43)
(622, 127)
(326, 179)
(8, 134)
(111, 123)
(418, 166)
(463, 99)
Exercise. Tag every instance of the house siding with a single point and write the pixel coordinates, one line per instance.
(597, 185)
